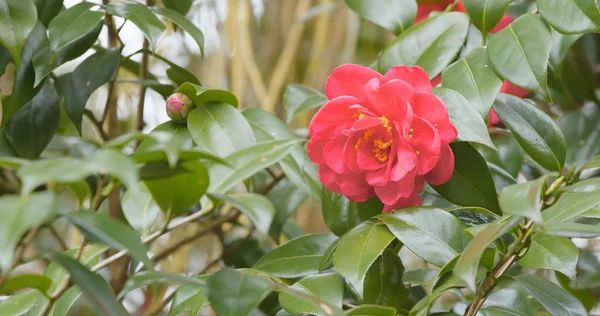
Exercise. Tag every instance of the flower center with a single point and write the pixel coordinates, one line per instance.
(380, 146)
(380, 149)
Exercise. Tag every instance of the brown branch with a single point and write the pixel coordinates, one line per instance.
(20, 252)
(143, 75)
(269, 185)
(98, 124)
(55, 234)
(158, 309)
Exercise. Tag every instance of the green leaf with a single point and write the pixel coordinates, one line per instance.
(396, 16)
(485, 14)
(297, 167)
(101, 228)
(79, 46)
(468, 262)
(78, 86)
(93, 286)
(257, 207)
(508, 298)
(298, 98)
(146, 278)
(582, 133)
(535, 131)
(287, 198)
(422, 306)
(177, 193)
(469, 123)
(328, 288)
(247, 162)
(18, 304)
(20, 214)
(584, 186)
(433, 234)
(72, 24)
(298, 257)
(383, 282)
(24, 281)
(47, 9)
(371, 310)
(572, 58)
(524, 199)
(341, 214)
(592, 163)
(509, 155)
(220, 129)
(501, 177)
(519, 53)
(551, 252)
(141, 16)
(327, 259)
(41, 61)
(189, 298)
(569, 206)
(432, 45)
(568, 17)
(474, 79)
(358, 249)
(423, 277)
(17, 20)
(181, 6)
(202, 95)
(573, 230)
(33, 126)
(140, 209)
(179, 19)
(232, 293)
(555, 300)
(471, 183)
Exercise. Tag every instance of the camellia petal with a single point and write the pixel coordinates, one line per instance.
(442, 172)
(333, 153)
(332, 114)
(327, 176)
(431, 108)
(415, 76)
(348, 80)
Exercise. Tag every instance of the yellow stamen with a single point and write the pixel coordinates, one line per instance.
(418, 152)
(380, 149)
(368, 133)
(386, 124)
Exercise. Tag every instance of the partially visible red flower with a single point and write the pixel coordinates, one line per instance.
(424, 9)
(381, 135)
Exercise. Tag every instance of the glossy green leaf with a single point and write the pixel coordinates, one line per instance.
(103, 229)
(485, 14)
(298, 98)
(584, 186)
(141, 16)
(247, 162)
(72, 24)
(33, 126)
(535, 131)
(297, 166)
(508, 154)
(422, 306)
(177, 193)
(582, 132)
(78, 86)
(287, 199)
(551, 252)
(592, 163)
(146, 278)
(328, 288)
(423, 276)
(93, 286)
(502, 178)
(17, 20)
(468, 262)
(232, 293)
(20, 214)
(47, 9)
(573, 230)
(573, 16)
(508, 298)
(524, 199)
(358, 249)
(220, 129)
(24, 281)
(78, 47)
(341, 214)
(555, 300)
(298, 257)
(327, 259)
(189, 298)
(396, 16)
(383, 282)
(140, 209)
(471, 183)
(432, 45)
(181, 6)
(569, 206)
(371, 310)
(176, 73)
(468, 122)
(472, 77)
(433, 234)
(18, 304)
(519, 53)
(42, 61)
(202, 95)
(177, 17)
(257, 207)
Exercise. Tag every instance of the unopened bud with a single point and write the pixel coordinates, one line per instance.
(178, 106)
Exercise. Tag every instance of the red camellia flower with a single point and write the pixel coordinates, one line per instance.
(424, 9)
(381, 135)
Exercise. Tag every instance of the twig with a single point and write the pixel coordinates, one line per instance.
(98, 124)
(269, 185)
(20, 251)
(158, 309)
(142, 76)
(54, 233)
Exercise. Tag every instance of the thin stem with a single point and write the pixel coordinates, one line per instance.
(98, 124)
(20, 252)
(158, 309)
(54, 233)
(142, 76)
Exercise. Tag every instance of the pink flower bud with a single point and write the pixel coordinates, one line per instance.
(178, 106)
